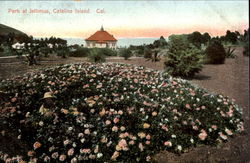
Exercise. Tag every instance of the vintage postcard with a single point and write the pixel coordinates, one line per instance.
(124, 81)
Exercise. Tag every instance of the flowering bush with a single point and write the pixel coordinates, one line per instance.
(113, 112)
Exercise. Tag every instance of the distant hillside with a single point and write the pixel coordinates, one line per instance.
(5, 30)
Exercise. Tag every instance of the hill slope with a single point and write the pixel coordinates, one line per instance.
(5, 30)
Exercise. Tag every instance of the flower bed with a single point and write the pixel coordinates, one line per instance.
(113, 112)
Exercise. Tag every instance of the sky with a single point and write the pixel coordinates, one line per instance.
(126, 19)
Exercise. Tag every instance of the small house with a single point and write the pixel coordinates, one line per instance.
(101, 39)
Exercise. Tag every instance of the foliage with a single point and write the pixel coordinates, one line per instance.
(215, 53)
(246, 42)
(161, 43)
(231, 37)
(80, 52)
(197, 38)
(112, 113)
(108, 52)
(230, 53)
(62, 51)
(246, 50)
(96, 55)
(126, 53)
(147, 53)
(183, 59)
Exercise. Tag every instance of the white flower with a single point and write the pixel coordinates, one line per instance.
(192, 140)
(179, 147)
(173, 136)
(70, 128)
(99, 155)
(82, 140)
(122, 128)
(73, 160)
(41, 123)
(80, 135)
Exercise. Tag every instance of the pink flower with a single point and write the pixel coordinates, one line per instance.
(141, 135)
(229, 132)
(187, 106)
(224, 137)
(84, 150)
(154, 113)
(195, 128)
(66, 142)
(99, 86)
(71, 152)
(214, 127)
(62, 157)
(37, 145)
(148, 137)
(116, 120)
(104, 139)
(14, 99)
(164, 127)
(115, 129)
(115, 155)
(87, 131)
(141, 147)
(203, 107)
(203, 135)
(168, 143)
(108, 122)
(122, 145)
(131, 142)
(120, 112)
(147, 142)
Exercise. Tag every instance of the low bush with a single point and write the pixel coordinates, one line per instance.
(147, 53)
(108, 52)
(246, 50)
(183, 59)
(125, 53)
(230, 53)
(112, 113)
(215, 53)
(96, 55)
(80, 52)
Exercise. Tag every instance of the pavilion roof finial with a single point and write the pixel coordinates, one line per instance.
(102, 28)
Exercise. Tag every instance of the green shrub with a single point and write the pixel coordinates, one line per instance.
(246, 50)
(147, 53)
(108, 52)
(126, 53)
(215, 53)
(96, 55)
(79, 52)
(230, 53)
(183, 59)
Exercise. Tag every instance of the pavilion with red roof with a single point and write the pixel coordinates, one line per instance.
(101, 39)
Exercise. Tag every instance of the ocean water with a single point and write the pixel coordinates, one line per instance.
(122, 42)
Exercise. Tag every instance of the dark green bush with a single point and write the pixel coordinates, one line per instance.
(183, 59)
(230, 53)
(80, 52)
(147, 53)
(108, 52)
(215, 53)
(126, 53)
(96, 55)
(246, 50)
